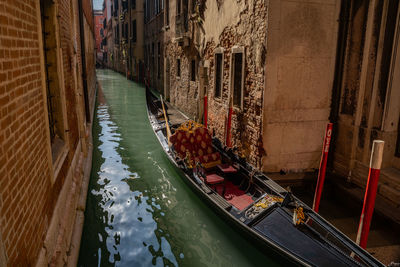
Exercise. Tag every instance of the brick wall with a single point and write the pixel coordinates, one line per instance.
(27, 194)
(98, 18)
(249, 34)
(24, 169)
(184, 93)
(246, 28)
(88, 13)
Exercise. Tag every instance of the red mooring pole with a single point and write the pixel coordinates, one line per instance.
(370, 192)
(322, 167)
(205, 110)
(228, 128)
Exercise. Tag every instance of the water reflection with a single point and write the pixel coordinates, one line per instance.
(139, 211)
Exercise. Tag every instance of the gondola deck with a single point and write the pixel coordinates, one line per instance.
(259, 207)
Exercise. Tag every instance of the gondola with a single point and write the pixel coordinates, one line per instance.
(259, 208)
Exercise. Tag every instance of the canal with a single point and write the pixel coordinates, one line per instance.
(139, 211)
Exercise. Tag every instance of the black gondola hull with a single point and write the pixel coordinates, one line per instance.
(269, 231)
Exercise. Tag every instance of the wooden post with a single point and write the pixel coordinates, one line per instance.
(322, 167)
(370, 192)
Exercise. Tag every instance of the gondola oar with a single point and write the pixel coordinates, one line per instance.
(166, 121)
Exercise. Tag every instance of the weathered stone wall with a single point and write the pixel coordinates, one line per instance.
(154, 34)
(301, 48)
(370, 99)
(249, 32)
(184, 93)
(224, 25)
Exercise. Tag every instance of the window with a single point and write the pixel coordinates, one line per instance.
(116, 8)
(178, 7)
(126, 31)
(134, 34)
(133, 4)
(237, 79)
(218, 74)
(193, 70)
(167, 12)
(178, 67)
(193, 6)
(54, 85)
(158, 60)
(152, 56)
(124, 5)
(116, 37)
(50, 52)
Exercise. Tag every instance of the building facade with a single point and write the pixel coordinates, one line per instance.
(100, 34)
(287, 68)
(154, 43)
(47, 88)
(125, 37)
(218, 49)
(366, 96)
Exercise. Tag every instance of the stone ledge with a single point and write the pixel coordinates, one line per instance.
(293, 179)
(382, 205)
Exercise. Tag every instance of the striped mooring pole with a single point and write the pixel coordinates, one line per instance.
(370, 193)
(322, 167)
(205, 111)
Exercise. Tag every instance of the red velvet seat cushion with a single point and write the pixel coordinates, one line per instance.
(226, 168)
(214, 179)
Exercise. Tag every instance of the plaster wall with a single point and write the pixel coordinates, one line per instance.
(301, 45)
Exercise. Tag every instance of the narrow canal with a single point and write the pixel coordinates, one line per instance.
(139, 211)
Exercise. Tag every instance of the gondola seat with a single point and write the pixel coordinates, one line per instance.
(215, 180)
(183, 142)
(209, 161)
(226, 168)
(197, 145)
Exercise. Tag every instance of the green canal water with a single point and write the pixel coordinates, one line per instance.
(139, 211)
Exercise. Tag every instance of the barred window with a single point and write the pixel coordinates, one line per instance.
(178, 67)
(237, 77)
(193, 70)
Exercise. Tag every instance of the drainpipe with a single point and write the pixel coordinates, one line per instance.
(83, 60)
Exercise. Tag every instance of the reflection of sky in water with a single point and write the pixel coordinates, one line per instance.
(139, 210)
(127, 214)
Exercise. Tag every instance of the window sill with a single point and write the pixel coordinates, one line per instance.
(59, 152)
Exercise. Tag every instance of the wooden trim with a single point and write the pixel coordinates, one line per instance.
(218, 51)
(44, 93)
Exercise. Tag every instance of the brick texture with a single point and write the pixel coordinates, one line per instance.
(249, 32)
(27, 195)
